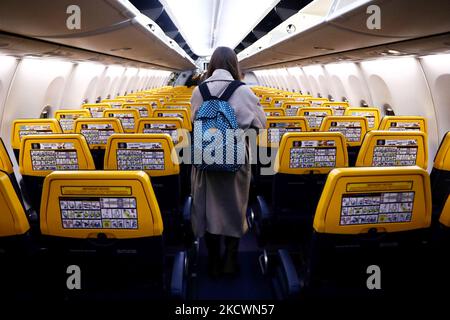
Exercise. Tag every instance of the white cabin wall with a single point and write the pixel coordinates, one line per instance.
(401, 83)
(36, 83)
(8, 67)
(346, 80)
(29, 84)
(410, 85)
(83, 84)
(437, 72)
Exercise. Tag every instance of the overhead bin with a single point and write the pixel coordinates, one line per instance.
(111, 27)
(346, 29)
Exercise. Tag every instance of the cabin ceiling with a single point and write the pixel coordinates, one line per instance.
(337, 34)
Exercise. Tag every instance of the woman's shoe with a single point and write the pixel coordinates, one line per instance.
(230, 262)
(212, 242)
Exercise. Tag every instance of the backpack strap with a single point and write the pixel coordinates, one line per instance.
(226, 95)
(206, 94)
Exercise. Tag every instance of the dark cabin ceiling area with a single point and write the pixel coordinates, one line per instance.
(282, 11)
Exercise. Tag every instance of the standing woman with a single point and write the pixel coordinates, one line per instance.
(219, 199)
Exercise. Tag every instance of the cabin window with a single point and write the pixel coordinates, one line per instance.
(388, 110)
(45, 112)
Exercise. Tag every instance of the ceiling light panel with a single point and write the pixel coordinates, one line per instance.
(207, 24)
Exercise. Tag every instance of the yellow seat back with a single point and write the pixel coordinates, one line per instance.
(151, 153)
(96, 109)
(274, 112)
(442, 159)
(338, 107)
(276, 127)
(6, 164)
(358, 200)
(353, 128)
(97, 130)
(84, 204)
(67, 118)
(24, 127)
(311, 152)
(170, 126)
(315, 116)
(183, 114)
(13, 220)
(403, 123)
(143, 108)
(291, 108)
(393, 148)
(444, 218)
(372, 115)
(127, 117)
(42, 154)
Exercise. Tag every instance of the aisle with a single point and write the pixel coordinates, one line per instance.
(250, 284)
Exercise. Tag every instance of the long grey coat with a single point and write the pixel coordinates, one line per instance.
(220, 198)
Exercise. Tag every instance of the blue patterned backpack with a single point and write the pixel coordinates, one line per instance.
(215, 147)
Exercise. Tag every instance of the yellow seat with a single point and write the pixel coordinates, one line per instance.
(98, 192)
(155, 103)
(67, 118)
(24, 127)
(393, 148)
(6, 164)
(302, 164)
(403, 123)
(177, 105)
(314, 116)
(440, 175)
(365, 218)
(291, 108)
(110, 223)
(127, 117)
(154, 154)
(444, 218)
(311, 152)
(97, 131)
(276, 127)
(361, 200)
(13, 220)
(183, 114)
(96, 109)
(372, 115)
(353, 128)
(151, 153)
(274, 112)
(42, 154)
(143, 108)
(171, 126)
(317, 102)
(115, 103)
(338, 107)
(278, 102)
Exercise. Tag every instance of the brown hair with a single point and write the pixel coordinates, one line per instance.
(224, 58)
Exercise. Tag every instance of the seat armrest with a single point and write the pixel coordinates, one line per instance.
(187, 209)
(293, 284)
(177, 283)
(263, 209)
